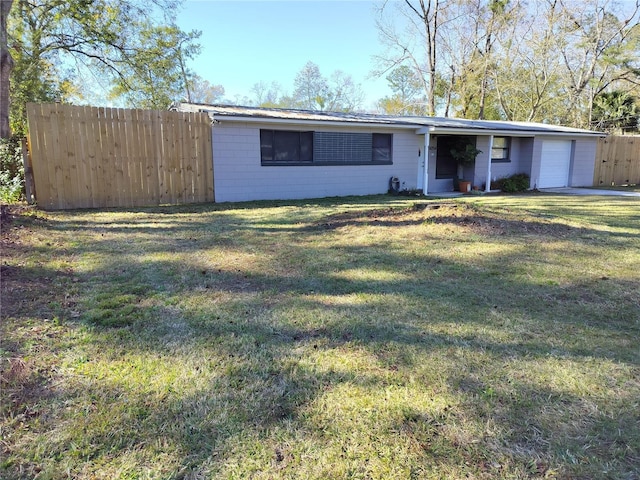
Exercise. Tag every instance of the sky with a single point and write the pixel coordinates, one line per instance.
(244, 42)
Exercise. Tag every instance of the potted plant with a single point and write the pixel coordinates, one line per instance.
(465, 156)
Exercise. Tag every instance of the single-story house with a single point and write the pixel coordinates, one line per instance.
(264, 153)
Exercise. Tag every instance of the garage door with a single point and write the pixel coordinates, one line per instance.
(554, 165)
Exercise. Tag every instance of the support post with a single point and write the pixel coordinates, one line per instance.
(488, 182)
(425, 181)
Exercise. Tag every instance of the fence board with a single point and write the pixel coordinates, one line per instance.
(71, 175)
(56, 139)
(79, 136)
(150, 150)
(35, 141)
(617, 161)
(97, 167)
(105, 157)
(187, 178)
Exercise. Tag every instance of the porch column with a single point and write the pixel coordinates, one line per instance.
(488, 182)
(425, 155)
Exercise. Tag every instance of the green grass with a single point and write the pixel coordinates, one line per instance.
(375, 337)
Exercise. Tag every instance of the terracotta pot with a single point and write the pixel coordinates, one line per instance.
(464, 186)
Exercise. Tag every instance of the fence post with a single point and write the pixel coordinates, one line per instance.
(29, 184)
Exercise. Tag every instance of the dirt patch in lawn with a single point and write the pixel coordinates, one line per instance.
(470, 218)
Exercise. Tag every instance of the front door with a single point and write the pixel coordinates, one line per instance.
(421, 165)
(446, 166)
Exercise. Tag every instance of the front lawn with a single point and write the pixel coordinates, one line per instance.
(376, 337)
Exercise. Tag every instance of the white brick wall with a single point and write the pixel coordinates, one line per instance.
(239, 175)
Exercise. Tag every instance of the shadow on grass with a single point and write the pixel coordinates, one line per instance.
(267, 387)
(262, 326)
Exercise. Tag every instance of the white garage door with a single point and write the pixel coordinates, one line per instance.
(554, 166)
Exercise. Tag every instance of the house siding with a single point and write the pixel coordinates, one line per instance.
(525, 152)
(239, 175)
(482, 161)
(583, 162)
(536, 158)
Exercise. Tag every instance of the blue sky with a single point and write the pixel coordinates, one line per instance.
(245, 42)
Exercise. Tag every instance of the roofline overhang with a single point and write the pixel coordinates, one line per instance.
(419, 129)
(434, 130)
(292, 122)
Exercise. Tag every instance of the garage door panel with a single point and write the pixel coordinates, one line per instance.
(555, 161)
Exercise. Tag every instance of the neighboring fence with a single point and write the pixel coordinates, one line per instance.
(90, 157)
(617, 161)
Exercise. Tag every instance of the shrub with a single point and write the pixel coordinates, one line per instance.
(11, 170)
(515, 183)
(10, 188)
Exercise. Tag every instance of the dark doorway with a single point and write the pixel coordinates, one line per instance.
(446, 166)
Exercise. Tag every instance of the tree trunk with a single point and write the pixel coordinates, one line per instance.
(6, 65)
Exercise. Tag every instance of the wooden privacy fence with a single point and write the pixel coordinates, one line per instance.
(617, 161)
(90, 157)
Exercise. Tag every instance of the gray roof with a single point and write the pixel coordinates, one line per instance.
(434, 124)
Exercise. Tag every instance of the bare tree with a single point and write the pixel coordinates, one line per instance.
(343, 93)
(202, 91)
(526, 79)
(311, 88)
(268, 94)
(416, 44)
(314, 92)
(598, 46)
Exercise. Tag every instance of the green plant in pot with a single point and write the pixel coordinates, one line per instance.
(465, 156)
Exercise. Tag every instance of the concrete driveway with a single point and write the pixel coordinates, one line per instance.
(590, 191)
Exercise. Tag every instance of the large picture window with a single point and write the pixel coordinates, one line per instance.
(500, 150)
(282, 146)
(285, 147)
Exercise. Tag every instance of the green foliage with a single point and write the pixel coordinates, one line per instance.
(10, 188)
(153, 77)
(63, 49)
(616, 111)
(515, 183)
(465, 154)
(407, 88)
(11, 170)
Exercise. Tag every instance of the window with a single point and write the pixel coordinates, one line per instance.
(381, 144)
(500, 150)
(284, 147)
